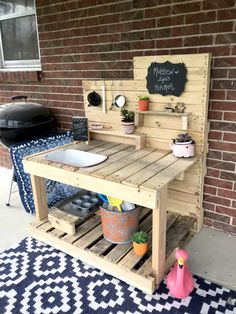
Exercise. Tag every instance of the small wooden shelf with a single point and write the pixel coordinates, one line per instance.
(139, 119)
(89, 245)
(137, 139)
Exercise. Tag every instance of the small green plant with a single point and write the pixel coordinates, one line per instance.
(142, 97)
(127, 116)
(183, 137)
(140, 237)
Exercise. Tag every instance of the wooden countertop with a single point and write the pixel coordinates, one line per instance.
(130, 174)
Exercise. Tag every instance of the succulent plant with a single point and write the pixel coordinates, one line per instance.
(127, 116)
(140, 237)
(142, 97)
(183, 137)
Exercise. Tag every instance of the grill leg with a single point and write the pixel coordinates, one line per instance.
(10, 191)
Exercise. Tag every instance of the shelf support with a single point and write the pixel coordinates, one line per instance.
(184, 122)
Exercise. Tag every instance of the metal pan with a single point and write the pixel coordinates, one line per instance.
(119, 101)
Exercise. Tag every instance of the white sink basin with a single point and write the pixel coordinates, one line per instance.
(76, 158)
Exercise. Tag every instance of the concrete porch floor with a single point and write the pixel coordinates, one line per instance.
(212, 253)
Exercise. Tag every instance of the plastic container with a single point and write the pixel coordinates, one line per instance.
(118, 227)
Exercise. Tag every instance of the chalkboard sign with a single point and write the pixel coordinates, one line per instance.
(166, 78)
(80, 129)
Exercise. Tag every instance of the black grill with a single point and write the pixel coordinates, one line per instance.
(20, 121)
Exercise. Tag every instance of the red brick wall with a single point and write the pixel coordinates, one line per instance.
(94, 39)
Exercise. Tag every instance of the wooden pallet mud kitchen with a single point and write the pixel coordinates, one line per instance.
(140, 168)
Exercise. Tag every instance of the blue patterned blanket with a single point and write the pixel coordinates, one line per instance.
(55, 191)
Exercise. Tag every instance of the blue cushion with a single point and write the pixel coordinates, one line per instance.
(56, 191)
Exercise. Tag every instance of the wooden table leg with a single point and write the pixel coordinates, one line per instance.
(159, 236)
(40, 197)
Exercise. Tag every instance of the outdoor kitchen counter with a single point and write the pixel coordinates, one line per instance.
(138, 176)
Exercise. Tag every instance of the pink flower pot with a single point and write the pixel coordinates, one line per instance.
(128, 127)
(184, 149)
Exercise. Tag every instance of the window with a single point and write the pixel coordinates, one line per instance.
(18, 35)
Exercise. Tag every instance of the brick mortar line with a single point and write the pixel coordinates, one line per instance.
(137, 20)
(119, 2)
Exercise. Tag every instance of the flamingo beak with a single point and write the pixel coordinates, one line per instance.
(181, 262)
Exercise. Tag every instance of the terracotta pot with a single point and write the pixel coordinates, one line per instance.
(143, 105)
(128, 127)
(184, 149)
(140, 248)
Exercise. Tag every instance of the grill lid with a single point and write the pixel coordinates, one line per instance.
(23, 115)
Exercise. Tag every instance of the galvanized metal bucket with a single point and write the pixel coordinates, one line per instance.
(118, 227)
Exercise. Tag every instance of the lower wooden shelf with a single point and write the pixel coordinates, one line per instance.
(120, 261)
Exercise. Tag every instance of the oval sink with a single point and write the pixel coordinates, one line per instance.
(76, 158)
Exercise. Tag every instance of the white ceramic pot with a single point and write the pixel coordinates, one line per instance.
(128, 127)
(184, 149)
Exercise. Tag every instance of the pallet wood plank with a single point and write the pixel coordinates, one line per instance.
(173, 240)
(136, 166)
(146, 284)
(81, 230)
(168, 174)
(45, 227)
(57, 233)
(107, 170)
(89, 238)
(63, 221)
(110, 152)
(138, 178)
(190, 60)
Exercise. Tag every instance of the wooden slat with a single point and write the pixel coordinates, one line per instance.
(131, 259)
(57, 233)
(83, 229)
(146, 284)
(114, 153)
(89, 238)
(107, 170)
(137, 179)
(45, 227)
(177, 231)
(190, 60)
(173, 240)
(101, 246)
(136, 166)
(63, 221)
(169, 174)
(137, 85)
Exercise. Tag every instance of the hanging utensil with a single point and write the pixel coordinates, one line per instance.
(112, 96)
(119, 100)
(103, 98)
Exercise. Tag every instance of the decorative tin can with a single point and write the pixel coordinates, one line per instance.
(118, 227)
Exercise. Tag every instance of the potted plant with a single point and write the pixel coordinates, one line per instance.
(143, 103)
(127, 121)
(140, 244)
(183, 145)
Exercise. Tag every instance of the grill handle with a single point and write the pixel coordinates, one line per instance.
(19, 97)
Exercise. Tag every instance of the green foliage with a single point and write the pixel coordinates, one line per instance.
(127, 116)
(140, 237)
(183, 137)
(142, 97)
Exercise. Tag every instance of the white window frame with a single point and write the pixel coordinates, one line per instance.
(19, 65)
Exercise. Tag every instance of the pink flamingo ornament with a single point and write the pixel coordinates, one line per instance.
(180, 280)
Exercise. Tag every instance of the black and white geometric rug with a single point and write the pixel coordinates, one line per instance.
(38, 279)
